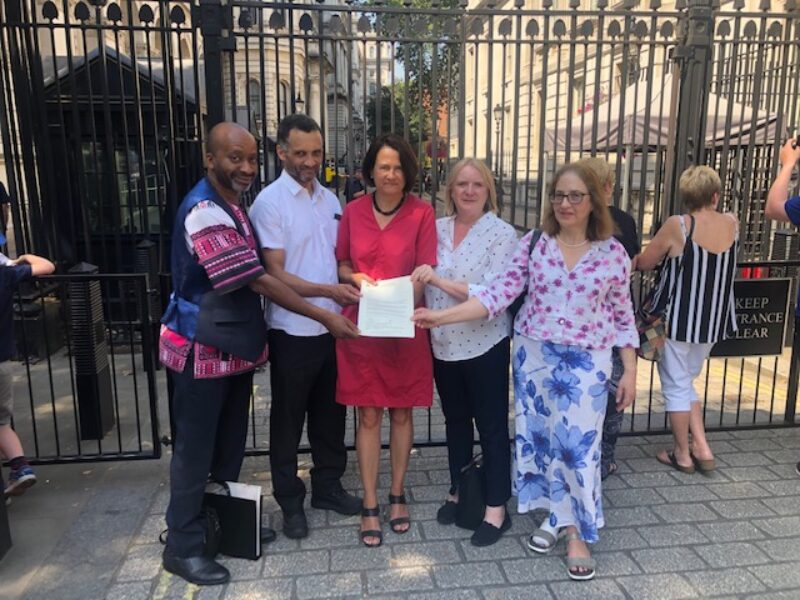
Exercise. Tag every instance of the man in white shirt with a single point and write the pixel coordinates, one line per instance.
(296, 220)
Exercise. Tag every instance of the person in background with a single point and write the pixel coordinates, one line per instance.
(355, 187)
(576, 308)
(695, 289)
(12, 273)
(470, 363)
(627, 235)
(5, 212)
(383, 235)
(782, 207)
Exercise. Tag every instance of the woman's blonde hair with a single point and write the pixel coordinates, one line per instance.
(601, 225)
(488, 180)
(697, 186)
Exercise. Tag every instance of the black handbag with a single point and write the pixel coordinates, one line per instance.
(471, 495)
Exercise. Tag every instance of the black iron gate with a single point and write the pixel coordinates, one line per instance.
(104, 105)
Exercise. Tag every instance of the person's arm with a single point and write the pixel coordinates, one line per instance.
(39, 265)
(274, 289)
(426, 275)
(341, 293)
(6, 216)
(347, 276)
(466, 311)
(660, 246)
(627, 338)
(626, 388)
(424, 250)
(779, 191)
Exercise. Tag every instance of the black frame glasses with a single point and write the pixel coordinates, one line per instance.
(573, 197)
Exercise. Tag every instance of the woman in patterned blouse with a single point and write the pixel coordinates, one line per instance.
(576, 308)
(470, 363)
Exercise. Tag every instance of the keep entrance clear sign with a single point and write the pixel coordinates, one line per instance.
(761, 315)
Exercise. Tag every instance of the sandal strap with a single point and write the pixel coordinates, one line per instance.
(545, 535)
(580, 562)
(570, 537)
(400, 521)
(371, 512)
(401, 499)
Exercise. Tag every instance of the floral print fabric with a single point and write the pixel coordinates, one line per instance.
(560, 396)
(588, 306)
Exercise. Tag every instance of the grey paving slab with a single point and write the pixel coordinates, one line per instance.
(657, 587)
(780, 526)
(347, 559)
(295, 563)
(329, 586)
(536, 569)
(471, 575)
(517, 592)
(752, 474)
(242, 570)
(431, 530)
(747, 459)
(507, 547)
(682, 513)
(755, 444)
(425, 554)
(687, 493)
(671, 535)
(619, 539)
(633, 497)
(129, 591)
(740, 509)
(612, 564)
(273, 589)
(597, 589)
(740, 490)
(789, 457)
(784, 549)
(731, 531)
(142, 562)
(731, 554)
(629, 517)
(725, 581)
(399, 580)
(649, 480)
(668, 560)
(780, 576)
(787, 487)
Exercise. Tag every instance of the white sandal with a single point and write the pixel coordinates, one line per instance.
(552, 540)
(579, 562)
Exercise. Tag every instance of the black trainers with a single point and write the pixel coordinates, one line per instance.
(339, 501)
(487, 534)
(797, 468)
(446, 515)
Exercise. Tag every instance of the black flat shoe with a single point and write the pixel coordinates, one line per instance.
(446, 515)
(268, 535)
(199, 570)
(394, 524)
(295, 525)
(367, 533)
(487, 534)
(340, 501)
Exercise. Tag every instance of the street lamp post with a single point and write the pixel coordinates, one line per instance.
(498, 115)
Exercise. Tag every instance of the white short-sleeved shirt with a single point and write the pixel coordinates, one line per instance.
(286, 217)
(481, 256)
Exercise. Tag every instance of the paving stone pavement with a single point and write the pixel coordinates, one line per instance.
(668, 535)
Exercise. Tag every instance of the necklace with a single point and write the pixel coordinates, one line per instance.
(578, 245)
(386, 213)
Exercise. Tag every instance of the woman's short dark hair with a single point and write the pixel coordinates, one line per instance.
(408, 160)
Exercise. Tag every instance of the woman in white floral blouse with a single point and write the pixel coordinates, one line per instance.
(470, 364)
(577, 307)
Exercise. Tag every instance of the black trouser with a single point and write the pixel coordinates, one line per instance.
(303, 380)
(210, 418)
(477, 389)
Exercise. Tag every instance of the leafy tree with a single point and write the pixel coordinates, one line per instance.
(388, 102)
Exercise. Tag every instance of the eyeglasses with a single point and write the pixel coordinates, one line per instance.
(573, 197)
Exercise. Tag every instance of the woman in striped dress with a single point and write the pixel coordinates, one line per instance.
(696, 287)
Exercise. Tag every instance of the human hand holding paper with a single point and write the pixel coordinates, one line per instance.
(386, 307)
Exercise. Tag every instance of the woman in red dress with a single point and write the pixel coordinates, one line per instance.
(383, 235)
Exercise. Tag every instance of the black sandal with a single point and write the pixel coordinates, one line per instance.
(377, 533)
(394, 523)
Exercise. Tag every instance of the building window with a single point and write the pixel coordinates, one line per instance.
(283, 99)
(254, 98)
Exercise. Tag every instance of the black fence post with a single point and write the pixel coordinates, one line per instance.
(215, 19)
(794, 372)
(691, 86)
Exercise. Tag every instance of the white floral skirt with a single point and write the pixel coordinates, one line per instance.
(560, 395)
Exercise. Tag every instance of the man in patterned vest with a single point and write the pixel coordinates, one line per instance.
(212, 338)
